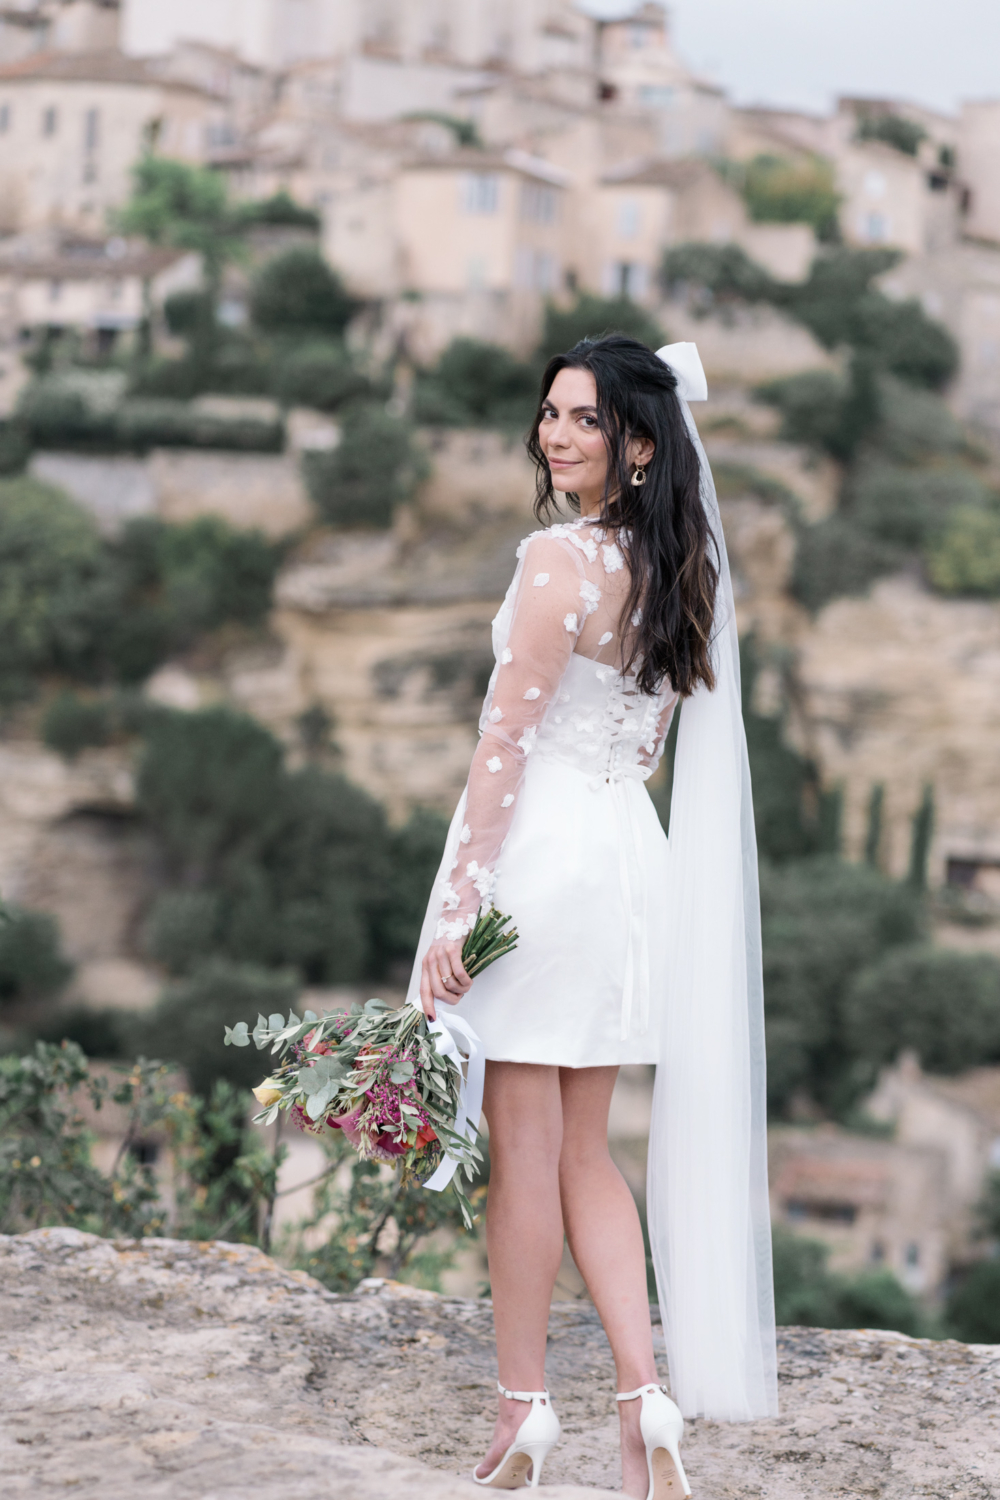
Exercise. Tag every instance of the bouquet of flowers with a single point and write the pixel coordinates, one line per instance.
(378, 1075)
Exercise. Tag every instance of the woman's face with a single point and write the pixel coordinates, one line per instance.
(574, 444)
(572, 441)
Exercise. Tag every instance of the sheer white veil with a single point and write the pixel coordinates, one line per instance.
(709, 1220)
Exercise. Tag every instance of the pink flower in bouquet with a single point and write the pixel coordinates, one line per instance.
(349, 1125)
(322, 1049)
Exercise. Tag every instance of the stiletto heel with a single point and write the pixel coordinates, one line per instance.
(662, 1428)
(536, 1437)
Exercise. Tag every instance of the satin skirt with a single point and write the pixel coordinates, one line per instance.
(583, 875)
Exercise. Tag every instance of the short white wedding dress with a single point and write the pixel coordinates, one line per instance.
(556, 826)
(634, 948)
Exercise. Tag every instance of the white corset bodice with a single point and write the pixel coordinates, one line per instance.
(600, 723)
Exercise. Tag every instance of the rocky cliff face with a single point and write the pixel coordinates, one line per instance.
(185, 1371)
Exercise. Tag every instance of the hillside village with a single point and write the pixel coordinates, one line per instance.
(470, 179)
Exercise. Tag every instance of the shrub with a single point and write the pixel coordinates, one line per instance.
(477, 384)
(724, 270)
(966, 558)
(15, 447)
(823, 921)
(835, 557)
(810, 406)
(321, 375)
(53, 417)
(807, 1294)
(787, 190)
(413, 855)
(910, 507)
(190, 313)
(914, 424)
(186, 1027)
(943, 1004)
(280, 208)
(892, 130)
(182, 929)
(973, 1309)
(162, 423)
(56, 589)
(297, 292)
(376, 467)
(72, 724)
(31, 961)
(590, 317)
(837, 280)
(904, 339)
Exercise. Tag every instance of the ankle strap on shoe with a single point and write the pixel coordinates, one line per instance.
(524, 1395)
(644, 1390)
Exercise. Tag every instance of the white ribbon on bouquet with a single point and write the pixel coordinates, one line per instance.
(446, 1031)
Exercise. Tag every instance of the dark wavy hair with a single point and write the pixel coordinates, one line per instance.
(670, 547)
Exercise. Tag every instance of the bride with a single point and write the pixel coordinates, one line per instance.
(634, 947)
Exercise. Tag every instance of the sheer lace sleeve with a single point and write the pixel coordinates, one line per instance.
(552, 599)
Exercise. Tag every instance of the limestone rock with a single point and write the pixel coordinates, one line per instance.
(206, 1372)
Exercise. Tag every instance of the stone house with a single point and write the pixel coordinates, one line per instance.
(873, 1203)
(958, 1118)
(100, 289)
(72, 126)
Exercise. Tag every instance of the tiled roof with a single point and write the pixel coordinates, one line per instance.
(106, 66)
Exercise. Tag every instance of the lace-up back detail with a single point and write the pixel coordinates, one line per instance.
(557, 691)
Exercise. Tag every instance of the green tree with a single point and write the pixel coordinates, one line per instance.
(726, 271)
(376, 466)
(173, 203)
(321, 374)
(476, 384)
(589, 318)
(973, 1308)
(793, 190)
(297, 293)
(32, 964)
(823, 922)
(892, 130)
(56, 590)
(186, 1027)
(46, 1172)
(943, 1003)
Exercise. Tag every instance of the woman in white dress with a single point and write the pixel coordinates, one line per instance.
(633, 948)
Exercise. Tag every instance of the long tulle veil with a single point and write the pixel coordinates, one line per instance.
(709, 1220)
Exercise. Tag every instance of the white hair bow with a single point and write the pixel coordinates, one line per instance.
(686, 364)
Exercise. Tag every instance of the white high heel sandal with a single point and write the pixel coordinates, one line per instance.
(536, 1436)
(662, 1427)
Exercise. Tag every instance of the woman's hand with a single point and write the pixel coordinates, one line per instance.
(442, 976)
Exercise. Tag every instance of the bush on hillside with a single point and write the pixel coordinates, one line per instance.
(72, 724)
(293, 869)
(965, 558)
(973, 1308)
(190, 313)
(910, 507)
(413, 854)
(187, 1026)
(162, 423)
(943, 1004)
(56, 590)
(15, 447)
(836, 557)
(280, 208)
(823, 921)
(808, 1295)
(589, 318)
(319, 374)
(32, 964)
(298, 293)
(476, 384)
(376, 467)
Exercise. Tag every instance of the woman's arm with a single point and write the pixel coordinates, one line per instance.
(549, 612)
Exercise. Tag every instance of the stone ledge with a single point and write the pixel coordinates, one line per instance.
(185, 1371)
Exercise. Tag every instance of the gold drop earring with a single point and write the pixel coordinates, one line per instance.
(639, 477)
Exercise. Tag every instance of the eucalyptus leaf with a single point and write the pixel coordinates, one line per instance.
(238, 1035)
(310, 1015)
(276, 1022)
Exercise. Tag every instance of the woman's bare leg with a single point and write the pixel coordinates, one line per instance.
(605, 1238)
(524, 1230)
